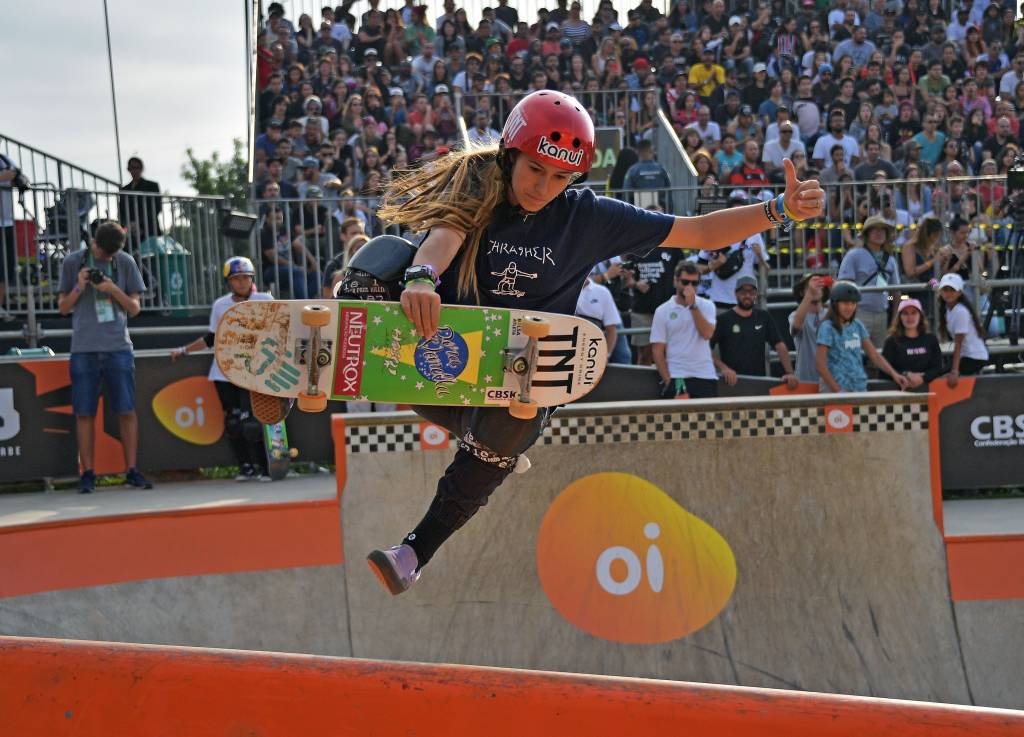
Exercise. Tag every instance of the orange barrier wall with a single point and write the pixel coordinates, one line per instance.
(91, 689)
(110, 549)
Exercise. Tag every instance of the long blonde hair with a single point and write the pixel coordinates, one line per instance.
(460, 190)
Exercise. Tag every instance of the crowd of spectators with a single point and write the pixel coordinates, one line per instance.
(863, 94)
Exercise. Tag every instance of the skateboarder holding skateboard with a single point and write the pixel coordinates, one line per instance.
(504, 230)
(245, 432)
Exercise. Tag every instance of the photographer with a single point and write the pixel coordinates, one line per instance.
(10, 177)
(99, 288)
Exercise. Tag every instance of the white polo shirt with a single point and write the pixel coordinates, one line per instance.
(688, 355)
(596, 302)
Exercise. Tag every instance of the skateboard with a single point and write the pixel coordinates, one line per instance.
(316, 350)
(279, 453)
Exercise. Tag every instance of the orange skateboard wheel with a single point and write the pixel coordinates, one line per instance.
(522, 410)
(535, 327)
(312, 402)
(316, 316)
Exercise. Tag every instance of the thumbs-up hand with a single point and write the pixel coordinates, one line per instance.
(804, 200)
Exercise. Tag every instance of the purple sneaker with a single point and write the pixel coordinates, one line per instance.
(395, 567)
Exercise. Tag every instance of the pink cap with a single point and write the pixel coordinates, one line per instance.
(905, 303)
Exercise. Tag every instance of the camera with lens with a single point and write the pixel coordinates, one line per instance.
(96, 276)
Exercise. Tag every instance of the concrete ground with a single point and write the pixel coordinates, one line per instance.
(54, 506)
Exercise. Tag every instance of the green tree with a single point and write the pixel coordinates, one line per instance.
(215, 177)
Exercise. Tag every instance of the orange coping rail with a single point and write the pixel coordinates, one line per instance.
(96, 689)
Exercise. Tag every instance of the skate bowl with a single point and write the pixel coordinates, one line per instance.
(782, 543)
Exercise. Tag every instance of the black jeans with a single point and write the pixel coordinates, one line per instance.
(244, 432)
(701, 388)
(490, 442)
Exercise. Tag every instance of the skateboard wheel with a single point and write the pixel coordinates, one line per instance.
(293, 452)
(522, 410)
(535, 327)
(312, 402)
(315, 316)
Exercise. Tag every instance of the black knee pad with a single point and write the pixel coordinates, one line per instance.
(252, 429)
(233, 423)
(376, 271)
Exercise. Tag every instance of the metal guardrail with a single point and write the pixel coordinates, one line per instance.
(175, 241)
(178, 245)
(43, 169)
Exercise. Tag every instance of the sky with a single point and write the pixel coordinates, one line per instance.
(179, 71)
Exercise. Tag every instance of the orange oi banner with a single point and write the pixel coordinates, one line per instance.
(622, 560)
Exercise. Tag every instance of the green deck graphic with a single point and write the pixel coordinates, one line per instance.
(456, 366)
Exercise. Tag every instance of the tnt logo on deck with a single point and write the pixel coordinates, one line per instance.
(620, 559)
(348, 376)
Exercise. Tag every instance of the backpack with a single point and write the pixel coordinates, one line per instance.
(733, 263)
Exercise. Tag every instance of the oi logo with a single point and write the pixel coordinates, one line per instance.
(620, 559)
(190, 409)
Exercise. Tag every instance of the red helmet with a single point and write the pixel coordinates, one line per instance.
(552, 128)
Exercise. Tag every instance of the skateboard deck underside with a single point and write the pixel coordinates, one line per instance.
(371, 352)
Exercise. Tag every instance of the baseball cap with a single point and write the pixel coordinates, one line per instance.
(745, 281)
(760, 67)
(314, 193)
(954, 281)
(441, 89)
(396, 92)
(739, 194)
(825, 68)
(641, 63)
(735, 19)
(274, 123)
(614, 26)
(565, 42)
(907, 303)
(552, 27)
(746, 110)
(311, 161)
(370, 52)
(785, 125)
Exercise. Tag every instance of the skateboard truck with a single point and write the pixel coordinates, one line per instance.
(314, 317)
(522, 364)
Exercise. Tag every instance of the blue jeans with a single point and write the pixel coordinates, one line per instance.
(114, 371)
(304, 284)
(621, 352)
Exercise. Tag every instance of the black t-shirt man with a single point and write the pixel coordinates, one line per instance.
(741, 340)
(656, 269)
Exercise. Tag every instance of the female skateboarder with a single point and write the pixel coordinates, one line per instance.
(504, 230)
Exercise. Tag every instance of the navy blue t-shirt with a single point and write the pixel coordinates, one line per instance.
(541, 261)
